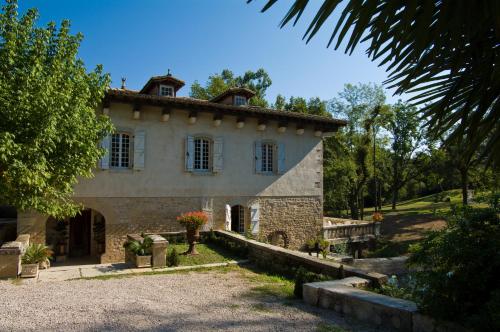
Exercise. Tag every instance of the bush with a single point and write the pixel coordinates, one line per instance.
(173, 258)
(303, 276)
(36, 253)
(140, 248)
(458, 267)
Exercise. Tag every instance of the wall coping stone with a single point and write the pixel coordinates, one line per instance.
(325, 266)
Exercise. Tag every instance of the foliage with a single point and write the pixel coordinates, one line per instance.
(447, 59)
(314, 106)
(36, 253)
(303, 276)
(140, 248)
(193, 220)
(48, 125)
(173, 258)
(258, 81)
(394, 288)
(340, 248)
(458, 268)
(406, 138)
(346, 156)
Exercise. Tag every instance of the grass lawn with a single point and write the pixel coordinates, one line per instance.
(424, 205)
(208, 253)
(411, 220)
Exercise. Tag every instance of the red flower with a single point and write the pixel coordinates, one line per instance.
(193, 220)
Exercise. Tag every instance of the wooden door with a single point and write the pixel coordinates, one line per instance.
(79, 234)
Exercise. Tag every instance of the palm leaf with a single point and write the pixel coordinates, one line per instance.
(450, 59)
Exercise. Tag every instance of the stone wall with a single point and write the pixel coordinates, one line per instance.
(300, 218)
(270, 255)
(297, 217)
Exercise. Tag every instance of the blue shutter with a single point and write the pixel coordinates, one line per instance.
(258, 157)
(106, 145)
(189, 153)
(281, 158)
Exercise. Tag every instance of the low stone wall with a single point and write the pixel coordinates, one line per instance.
(379, 310)
(389, 265)
(268, 254)
(10, 256)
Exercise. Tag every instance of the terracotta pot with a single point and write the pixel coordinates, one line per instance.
(143, 261)
(29, 270)
(193, 235)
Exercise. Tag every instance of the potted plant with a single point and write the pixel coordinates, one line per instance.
(192, 221)
(141, 250)
(35, 256)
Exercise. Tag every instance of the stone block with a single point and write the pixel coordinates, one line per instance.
(159, 250)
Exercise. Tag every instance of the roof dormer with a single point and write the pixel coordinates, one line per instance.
(234, 96)
(165, 85)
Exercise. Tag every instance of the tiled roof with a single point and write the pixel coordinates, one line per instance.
(129, 96)
(232, 91)
(177, 83)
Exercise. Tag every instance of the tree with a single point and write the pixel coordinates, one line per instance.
(258, 81)
(356, 104)
(48, 126)
(450, 60)
(405, 130)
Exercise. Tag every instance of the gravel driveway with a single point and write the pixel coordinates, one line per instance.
(195, 301)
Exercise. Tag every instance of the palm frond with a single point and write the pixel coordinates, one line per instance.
(448, 52)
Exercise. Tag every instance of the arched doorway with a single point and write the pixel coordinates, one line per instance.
(79, 239)
(238, 218)
(8, 223)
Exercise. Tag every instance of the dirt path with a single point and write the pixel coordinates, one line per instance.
(196, 301)
(400, 228)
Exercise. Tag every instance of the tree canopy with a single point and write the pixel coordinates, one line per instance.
(257, 81)
(448, 59)
(48, 125)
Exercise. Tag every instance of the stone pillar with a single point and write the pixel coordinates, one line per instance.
(159, 250)
(10, 256)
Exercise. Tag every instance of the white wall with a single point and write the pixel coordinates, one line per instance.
(164, 174)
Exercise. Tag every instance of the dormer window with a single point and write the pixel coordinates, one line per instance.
(166, 90)
(240, 100)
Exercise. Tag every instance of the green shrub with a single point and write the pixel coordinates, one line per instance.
(458, 268)
(303, 276)
(140, 248)
(173, 258)
(36, 253)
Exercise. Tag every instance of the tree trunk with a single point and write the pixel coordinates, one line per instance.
(353, 205)
(465, 186)
(395, 185)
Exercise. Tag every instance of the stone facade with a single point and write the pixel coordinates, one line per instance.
(299, 218)
(159, 180)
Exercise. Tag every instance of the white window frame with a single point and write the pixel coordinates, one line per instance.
(242, 100)
(119, 163)
(268, 157)
(205, 149)
(169, 87)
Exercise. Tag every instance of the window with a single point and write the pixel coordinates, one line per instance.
(267, 157)
(201, 154)
(166, 90)
(240, 100)
(120, 150)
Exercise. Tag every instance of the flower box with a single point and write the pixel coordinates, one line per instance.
(29, 270)
(143, 261)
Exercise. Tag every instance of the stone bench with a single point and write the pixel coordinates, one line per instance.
(344, 297)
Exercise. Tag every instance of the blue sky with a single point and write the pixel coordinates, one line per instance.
(197, 38)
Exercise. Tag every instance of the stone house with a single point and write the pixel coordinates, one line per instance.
(251, 169)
